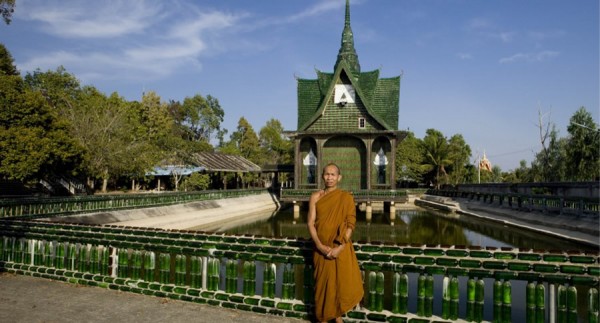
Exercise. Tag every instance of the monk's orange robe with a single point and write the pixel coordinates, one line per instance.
(338, 282)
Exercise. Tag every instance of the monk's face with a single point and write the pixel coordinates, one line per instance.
(331, 176)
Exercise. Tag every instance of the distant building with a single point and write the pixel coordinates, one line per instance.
(350, 118)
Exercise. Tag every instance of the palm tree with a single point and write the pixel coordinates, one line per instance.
(437, 154)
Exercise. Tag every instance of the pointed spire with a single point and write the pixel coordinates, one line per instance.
(347, 51)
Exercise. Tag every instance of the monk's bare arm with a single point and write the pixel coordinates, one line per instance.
(312, 216)
(335, 252)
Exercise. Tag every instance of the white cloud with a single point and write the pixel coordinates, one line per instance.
(529, 57)
(93, 19)
(185, 39)
(150, 52)
(318, 9)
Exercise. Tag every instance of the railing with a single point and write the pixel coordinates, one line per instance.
(399, 195)
(580, 206)
(33, 207)
(416, 283)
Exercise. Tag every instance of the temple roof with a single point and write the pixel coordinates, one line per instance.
(380, 96)
(347, 51)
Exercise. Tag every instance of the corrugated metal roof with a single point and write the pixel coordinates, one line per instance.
(214, 162)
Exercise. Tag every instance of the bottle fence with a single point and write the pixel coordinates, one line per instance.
(576, 206)
(44, 207)
(275, 275)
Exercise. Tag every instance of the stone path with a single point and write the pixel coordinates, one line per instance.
(26, 299)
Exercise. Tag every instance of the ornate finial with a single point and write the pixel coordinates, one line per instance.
(347, 51)
(347, 18)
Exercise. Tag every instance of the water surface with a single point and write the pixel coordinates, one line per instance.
(415, 226)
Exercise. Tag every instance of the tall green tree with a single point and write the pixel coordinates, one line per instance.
(583, 148)
(201, 117)
(437, 156)
(277, 147)
(549, 165)
(7, 63)
(59, 87)
(522, 174)
(410, 154)
(110, 131)
(34, 138)
(460, 153)
(244, 142)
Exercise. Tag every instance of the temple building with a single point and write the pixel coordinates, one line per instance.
(348, 117)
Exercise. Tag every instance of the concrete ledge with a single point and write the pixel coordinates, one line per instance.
(437, 202)
(195, 215)
(582, 230)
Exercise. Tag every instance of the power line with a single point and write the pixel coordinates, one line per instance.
(513, 152)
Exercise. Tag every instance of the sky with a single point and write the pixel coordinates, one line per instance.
(488, 70)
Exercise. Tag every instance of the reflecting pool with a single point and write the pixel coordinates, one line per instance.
(413, 226)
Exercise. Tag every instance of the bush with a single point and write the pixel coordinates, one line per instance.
(196, 182)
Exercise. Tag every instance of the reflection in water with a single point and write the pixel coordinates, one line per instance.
(416, 226)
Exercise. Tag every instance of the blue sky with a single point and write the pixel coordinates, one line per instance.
(480, 68)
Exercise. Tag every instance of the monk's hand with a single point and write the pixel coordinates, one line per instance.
(325, 250)
(335, 252)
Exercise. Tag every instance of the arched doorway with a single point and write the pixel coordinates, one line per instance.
(309, 171)
(349, 153)
(381, 166)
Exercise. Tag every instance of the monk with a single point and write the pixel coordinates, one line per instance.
(331, 220)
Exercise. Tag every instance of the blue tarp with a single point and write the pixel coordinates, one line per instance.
(171, 169)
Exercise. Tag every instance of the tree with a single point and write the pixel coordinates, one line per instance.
(496, 174)
(277, 147)
(460, 153)
(200, 117)
(34, 138)
(7, 63)
(437, 156)
(519, 175)
(59, 87)
(244, 142)
(549, 165)
(7, 7)
(196, 182)
(110, 131)
(583, 148)
(409, 158)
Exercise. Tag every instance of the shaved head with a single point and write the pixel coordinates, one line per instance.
(339, 172)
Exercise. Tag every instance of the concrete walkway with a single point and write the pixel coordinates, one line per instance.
(26, 299)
